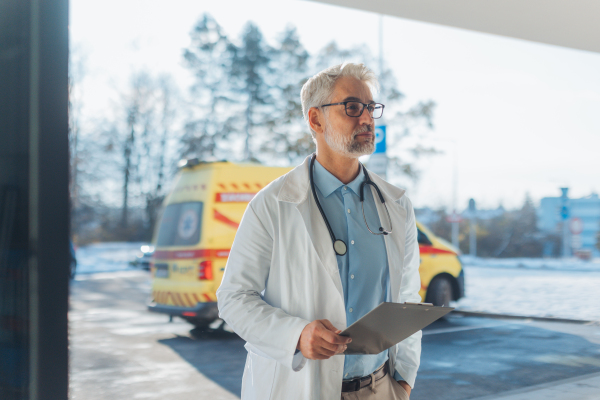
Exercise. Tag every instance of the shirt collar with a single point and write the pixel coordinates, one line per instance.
(327, 183)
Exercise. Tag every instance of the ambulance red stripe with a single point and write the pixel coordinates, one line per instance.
(189, 254)
(221, 218)
(433, 250)
(187, 298)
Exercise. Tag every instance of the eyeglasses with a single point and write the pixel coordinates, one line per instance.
(356, 108)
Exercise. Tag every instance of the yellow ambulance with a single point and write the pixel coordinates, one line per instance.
(441, 271)
(199, 220)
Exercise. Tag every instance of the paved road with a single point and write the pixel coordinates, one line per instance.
(119, 350)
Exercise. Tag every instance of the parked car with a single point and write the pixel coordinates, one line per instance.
(442, 274)
(144, 257)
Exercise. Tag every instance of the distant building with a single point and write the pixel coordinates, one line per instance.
(587, 209)
(428, 216)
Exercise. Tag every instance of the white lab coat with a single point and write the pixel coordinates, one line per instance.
(282, 274)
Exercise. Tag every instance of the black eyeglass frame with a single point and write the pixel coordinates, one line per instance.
(345, 103)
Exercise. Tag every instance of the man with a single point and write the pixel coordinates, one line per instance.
(289, 293)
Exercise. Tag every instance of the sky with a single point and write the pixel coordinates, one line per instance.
(513, 118)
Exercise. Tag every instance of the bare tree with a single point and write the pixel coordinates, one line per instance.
(138, 103)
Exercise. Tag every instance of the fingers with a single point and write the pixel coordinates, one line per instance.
(333, 335)
(335, 348)
(320, 340)
(328, 342)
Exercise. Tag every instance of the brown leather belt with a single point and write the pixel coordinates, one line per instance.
(356, 384)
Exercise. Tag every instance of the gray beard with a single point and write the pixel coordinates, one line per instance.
(347, 146)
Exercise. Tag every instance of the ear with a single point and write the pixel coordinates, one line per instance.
(315, 118)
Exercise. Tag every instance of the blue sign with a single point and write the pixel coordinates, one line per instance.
(564, 212)
(380, 139)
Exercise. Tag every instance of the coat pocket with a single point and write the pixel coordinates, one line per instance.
(259, 375)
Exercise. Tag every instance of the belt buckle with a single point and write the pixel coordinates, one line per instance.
(353, 385)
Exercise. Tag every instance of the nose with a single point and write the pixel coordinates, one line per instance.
(365, 118)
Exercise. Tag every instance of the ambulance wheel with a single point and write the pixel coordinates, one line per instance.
(439, 292)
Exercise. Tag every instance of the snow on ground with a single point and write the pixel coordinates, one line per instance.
(533, 287)
(569, 264)
(517, 286)
(106, 257)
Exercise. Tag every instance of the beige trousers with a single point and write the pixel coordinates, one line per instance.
(384, 389)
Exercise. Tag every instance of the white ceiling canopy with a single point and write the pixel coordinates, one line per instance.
(567, 23)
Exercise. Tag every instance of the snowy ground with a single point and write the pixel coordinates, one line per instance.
(518, 286)
(552, 264)
(533, 287)
(106, 257)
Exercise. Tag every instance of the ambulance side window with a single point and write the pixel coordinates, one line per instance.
(180, 224)
(423, 239)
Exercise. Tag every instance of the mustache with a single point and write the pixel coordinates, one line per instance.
(364, 129)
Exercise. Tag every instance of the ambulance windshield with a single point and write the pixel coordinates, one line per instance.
(180, 224)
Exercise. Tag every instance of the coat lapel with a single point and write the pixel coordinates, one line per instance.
(296, 189)
(394, 242)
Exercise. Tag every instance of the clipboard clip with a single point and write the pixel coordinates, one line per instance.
(419, 304)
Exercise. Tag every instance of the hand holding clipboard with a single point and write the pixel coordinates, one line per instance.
(389, 324)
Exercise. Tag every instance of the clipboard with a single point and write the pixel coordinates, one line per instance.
(389, 324)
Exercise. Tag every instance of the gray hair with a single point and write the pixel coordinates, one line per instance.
(318, 90)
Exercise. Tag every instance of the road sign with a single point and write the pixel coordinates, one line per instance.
(576, 242)
(454, 217)
(576, 226)
(380, 146)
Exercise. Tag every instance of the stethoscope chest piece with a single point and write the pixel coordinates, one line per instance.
(340, 247)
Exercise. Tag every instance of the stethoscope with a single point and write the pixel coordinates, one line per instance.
(339, 246)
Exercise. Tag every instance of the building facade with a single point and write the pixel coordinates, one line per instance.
(587, 209)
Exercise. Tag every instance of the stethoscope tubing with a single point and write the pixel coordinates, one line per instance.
(339, 246)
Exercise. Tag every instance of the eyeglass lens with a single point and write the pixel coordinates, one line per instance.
(355, 109)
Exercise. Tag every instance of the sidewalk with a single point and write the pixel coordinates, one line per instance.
(586, 387)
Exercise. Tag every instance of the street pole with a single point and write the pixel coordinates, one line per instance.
(378, 162)
(564, 213)
(455, 223)
(472, 228)
(380, 44)
(455, 233)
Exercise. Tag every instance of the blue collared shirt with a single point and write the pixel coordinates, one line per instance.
(364, 268)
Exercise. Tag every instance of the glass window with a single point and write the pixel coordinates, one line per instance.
(180, 224)
(423, 239)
